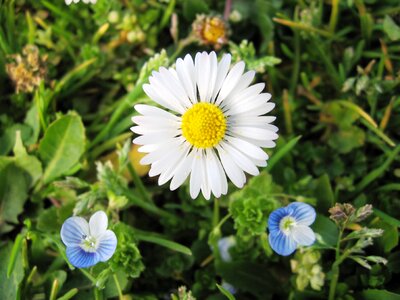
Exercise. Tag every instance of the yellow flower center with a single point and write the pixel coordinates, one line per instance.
(214, 30)
(203, 125)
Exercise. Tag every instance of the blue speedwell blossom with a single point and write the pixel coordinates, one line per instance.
(289, 227)
(88, 243)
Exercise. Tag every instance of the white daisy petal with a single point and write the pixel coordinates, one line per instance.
(184, 69)
(223, 68)
(196, 174)
(231, 81)
(182, 171)
(241, 160)
(234, 173)
(247, 148)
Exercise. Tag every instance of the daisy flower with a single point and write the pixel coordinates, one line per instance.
(212, 124)
(289, 227)
(68, 2)
(88, 243)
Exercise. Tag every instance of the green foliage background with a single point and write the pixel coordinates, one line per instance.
(333, 70)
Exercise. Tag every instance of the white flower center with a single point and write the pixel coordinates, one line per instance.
(89, 243)
(286, 224)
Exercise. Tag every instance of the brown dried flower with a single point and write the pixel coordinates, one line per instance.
(341, 213)
(210, 31)
(27, 70)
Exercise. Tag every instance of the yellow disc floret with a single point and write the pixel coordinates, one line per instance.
(203, 125)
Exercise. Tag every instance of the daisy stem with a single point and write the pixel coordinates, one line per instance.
(138, 183)
(120, 295)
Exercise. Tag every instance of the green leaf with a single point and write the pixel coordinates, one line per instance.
(326, 229)
(225, 292)
(379, 294)
(282, 152)
(159, 240)
(14, 186)
(390, 237)
(391, 28)
(254, 278)
(385, 217)
(193, 7)
(10, 287)
(62, 146)
(324, 194)
(15, 252)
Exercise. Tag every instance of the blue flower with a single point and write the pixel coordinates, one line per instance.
(88, 243)
(289, 227)
(224, 244)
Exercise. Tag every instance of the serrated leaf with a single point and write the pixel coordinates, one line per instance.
(62, 146)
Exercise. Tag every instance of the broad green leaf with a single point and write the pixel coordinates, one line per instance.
(390, 237)
(10, 287)
(379, 294)
(255, 278)
(62, 146)
(326, 229)
(14, 186)
(193, 7)
(391, 28)
(324, 194)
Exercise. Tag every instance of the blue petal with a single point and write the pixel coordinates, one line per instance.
(303, 213)
(107, 245)
(282, 244)
(224, 245)
(73, 231)
(80, 258)
(275, 218)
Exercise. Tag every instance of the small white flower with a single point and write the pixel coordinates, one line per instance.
(215, 126)
(68, 2)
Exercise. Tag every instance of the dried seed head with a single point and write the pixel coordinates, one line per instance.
(210, 31)
(27, 70)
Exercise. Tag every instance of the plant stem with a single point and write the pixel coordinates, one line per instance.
(227, 10)
(138, 183)
(334, 16)
(215, 213)
(120, 295)
(89, 276)
(335, 268)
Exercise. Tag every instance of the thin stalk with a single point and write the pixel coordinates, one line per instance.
(334, 15)
(54, 290)
(88, 276)
(302, 26)
(121, 109)
(138, 183)
(335, 268)
(109, 144)
(227, 10)
(215, 213)
(120, 295)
